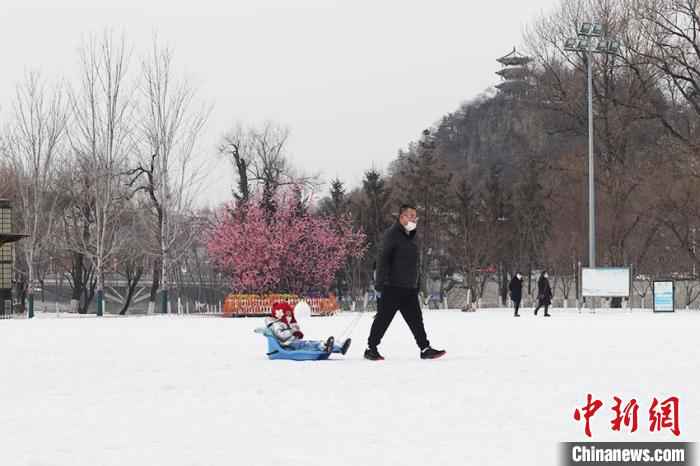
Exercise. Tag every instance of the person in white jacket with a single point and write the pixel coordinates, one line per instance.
(284, 327)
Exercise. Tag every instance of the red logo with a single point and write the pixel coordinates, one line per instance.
(662, 415)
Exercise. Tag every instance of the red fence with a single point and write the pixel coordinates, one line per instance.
(246, 305)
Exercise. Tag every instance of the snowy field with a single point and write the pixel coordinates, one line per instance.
(176, 391)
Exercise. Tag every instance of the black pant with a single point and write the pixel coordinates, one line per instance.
(398, 299)
(517, 305)
(544, 304)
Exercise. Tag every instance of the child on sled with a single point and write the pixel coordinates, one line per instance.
(283, 325)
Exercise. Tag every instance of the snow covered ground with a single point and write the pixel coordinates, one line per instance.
(171, 391)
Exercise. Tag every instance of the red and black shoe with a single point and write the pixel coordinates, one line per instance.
(431, 353)
(373, 355)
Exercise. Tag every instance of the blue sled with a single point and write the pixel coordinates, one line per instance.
(276, 351)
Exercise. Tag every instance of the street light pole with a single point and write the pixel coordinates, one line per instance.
(591, 178)
(590, 40)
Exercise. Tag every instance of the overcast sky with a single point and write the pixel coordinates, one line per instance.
(353, 80)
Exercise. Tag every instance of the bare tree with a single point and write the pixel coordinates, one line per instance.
(261, 163)
(102, 137)
(167, 173)
(668, 49)
(624, 96)
(34, 145)
(237, 146)
(668, 33)
(76, 205)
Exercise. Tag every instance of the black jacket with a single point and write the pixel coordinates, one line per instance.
(398, 262)
(544, 291)
(516, 289)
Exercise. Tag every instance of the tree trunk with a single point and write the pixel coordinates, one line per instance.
(131, 284)
(155, 285)
(78, 283)
(88, 294)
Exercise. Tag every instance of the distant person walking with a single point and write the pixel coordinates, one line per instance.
(544, 294)
(516, 291)
(397, 285)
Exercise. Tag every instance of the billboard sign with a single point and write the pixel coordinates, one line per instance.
(605, 282)
(664, 296)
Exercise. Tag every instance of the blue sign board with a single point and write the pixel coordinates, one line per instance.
(664, 296)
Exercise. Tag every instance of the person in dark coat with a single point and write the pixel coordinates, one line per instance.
(397, 285)
(516, 291)
(544, 294)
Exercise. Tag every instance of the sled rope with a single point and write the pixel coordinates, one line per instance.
(350, 328)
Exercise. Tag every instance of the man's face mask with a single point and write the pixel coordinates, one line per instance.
(411, 220)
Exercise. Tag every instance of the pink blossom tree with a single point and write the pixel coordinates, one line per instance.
(289, 252)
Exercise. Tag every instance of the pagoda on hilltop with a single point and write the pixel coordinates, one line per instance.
(514, 74)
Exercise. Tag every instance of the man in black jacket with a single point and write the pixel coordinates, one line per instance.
(397, 285)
